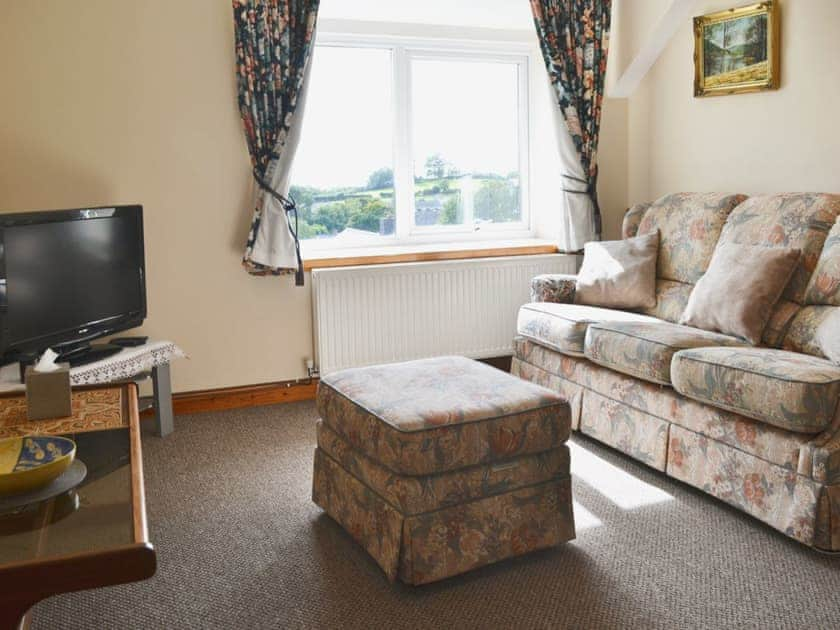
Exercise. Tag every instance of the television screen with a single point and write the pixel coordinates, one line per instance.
(70, 276)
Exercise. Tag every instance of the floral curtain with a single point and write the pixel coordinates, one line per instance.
(574, 38)
(274, 40)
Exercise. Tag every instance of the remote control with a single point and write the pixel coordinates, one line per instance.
(129, 342)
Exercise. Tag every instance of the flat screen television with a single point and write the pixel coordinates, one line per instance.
(68, 277)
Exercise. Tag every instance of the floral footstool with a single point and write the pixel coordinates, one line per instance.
(443, 465)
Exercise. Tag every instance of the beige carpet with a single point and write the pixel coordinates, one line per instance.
(240, 545)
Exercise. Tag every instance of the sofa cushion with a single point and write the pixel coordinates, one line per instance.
(619, 274)
(645, 350)
(689, 226)
(562, 327)
(737, 293)
(575, 377)
(794, 221)
(792, 391)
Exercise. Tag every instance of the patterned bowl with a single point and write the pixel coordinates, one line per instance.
(27, 463)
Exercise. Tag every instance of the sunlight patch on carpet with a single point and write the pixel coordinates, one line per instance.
(584, 519)
(620, 487)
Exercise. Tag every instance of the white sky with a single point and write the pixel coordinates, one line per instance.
(347, 122)
(466, 111)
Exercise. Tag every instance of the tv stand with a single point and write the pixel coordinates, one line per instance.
(140, 363)
(87, 353)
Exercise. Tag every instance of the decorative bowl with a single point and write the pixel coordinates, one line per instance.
(30, 462)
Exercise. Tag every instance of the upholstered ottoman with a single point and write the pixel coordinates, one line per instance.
(442, 465)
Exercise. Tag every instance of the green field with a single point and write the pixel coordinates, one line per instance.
(327, 212)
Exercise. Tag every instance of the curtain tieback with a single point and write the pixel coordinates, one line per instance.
(290, 207)
(591, 192)
(577, 179)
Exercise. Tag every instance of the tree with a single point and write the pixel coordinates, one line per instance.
(307, 230)
(366, 212)
(303, 196)
(435, 166)
(497, 201)
(443, 186)
(381, 178)
(451, 213)
(333, 216)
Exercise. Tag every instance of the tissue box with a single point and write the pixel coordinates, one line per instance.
(48, 393)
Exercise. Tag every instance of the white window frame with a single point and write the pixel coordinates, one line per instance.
(403, 50)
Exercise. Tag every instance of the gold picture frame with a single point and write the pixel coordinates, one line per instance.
(737, 50)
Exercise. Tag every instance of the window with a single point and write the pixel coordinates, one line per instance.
(343, 180)
(465, 142)
(407, 143)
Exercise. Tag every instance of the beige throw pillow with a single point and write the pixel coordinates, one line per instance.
(619, 274)
(737, 293)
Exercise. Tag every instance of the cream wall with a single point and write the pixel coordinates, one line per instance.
(118, 101)
(612, 165)
(113, 101)
(785, 140)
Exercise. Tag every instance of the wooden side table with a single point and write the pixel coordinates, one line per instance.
(93, 536)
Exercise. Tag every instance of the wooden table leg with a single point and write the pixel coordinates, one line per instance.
(13, 615)
(164, 421)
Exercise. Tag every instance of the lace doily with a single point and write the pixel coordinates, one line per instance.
(126, 363)
(122, 366)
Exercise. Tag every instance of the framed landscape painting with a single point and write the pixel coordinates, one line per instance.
(737, 50)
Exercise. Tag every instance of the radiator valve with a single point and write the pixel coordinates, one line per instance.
(311, 370)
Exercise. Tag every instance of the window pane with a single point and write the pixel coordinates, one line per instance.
(343, 178)
(466, 142)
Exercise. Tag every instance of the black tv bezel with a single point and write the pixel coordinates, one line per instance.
(77, 335)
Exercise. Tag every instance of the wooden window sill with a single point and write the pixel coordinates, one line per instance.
(360, 256)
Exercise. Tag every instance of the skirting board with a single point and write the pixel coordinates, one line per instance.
(226, 398)
(239, 397)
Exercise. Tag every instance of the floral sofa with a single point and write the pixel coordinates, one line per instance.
(755, 426)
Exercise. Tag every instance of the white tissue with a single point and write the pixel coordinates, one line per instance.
(47, 362)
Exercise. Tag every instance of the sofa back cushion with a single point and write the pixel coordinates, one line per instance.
(802, 332)
(632, 218)
(671, 300)
(814, 325)
(824, 285)
(793, 221)
(828, 336)
(689, 226)
(777, 327)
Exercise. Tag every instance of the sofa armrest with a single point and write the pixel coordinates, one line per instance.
(553, 287)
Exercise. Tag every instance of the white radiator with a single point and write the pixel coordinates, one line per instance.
(386, 313)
